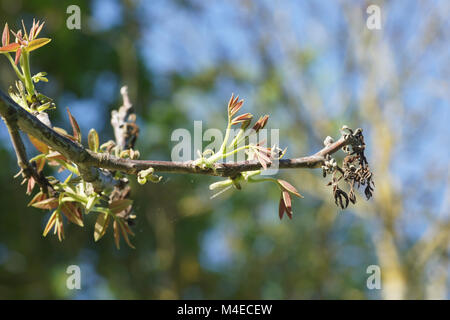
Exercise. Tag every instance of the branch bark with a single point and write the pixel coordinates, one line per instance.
(90, 163)
(26, 169)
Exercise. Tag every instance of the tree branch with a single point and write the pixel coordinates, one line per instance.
(90, 163)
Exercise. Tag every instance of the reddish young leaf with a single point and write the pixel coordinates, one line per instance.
(38, 144)
(288, 187)
(10, 47)
(40, 163)
(59, 227)
(5, 35)
(260, 160)
(242, 118)
(75, 127)
(38, 198)
(33, 28)
(18, 53)
(118, 206)
(73, 213)
(236, 108)
(46, 204)
(25, 31)
(261, 123)
(281, 208)
(51, 222)
(116, 234)
(287, 203)
(234, 105)
(55, 155)
(30, 185)
(125, 234)
(39, 28)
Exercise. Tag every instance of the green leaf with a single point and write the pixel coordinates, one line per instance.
(10, 47)
(101, 225)
(37, 43)
(51, 222)
(93, 140)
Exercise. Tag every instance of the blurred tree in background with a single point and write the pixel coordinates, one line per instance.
(313, 66)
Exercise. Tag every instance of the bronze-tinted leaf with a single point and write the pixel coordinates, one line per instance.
(72, 212)
(118, 206)
(281, 208)
(236, 108)
(46, 204)
(287, 203)
(30, 185)
(39, 28)
(289, 187)
(40, 163)
(51, 222)
(242, 118)
(55, 155)
(116, 234)
(125, 233)
(101, 225)
(261, 159)
(40, 196)
(59, 227)
(38, 144)
(75, 127)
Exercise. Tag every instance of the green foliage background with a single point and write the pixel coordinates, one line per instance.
(234, 246)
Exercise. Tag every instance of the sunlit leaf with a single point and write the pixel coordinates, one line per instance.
(30, 185)
(72, 212)
(5, 35)
(10, 47)
(287, 203)
(116, 234)
(40, 196)
(18, 53)
(288, 187)
(38, 144)
(93, 140)
(37, 43)
(50, 223)
(47, 204)
(125, 233)
(101, 225)
(281, 208)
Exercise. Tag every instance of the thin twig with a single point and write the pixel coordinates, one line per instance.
(27, 170)
(123, 122)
